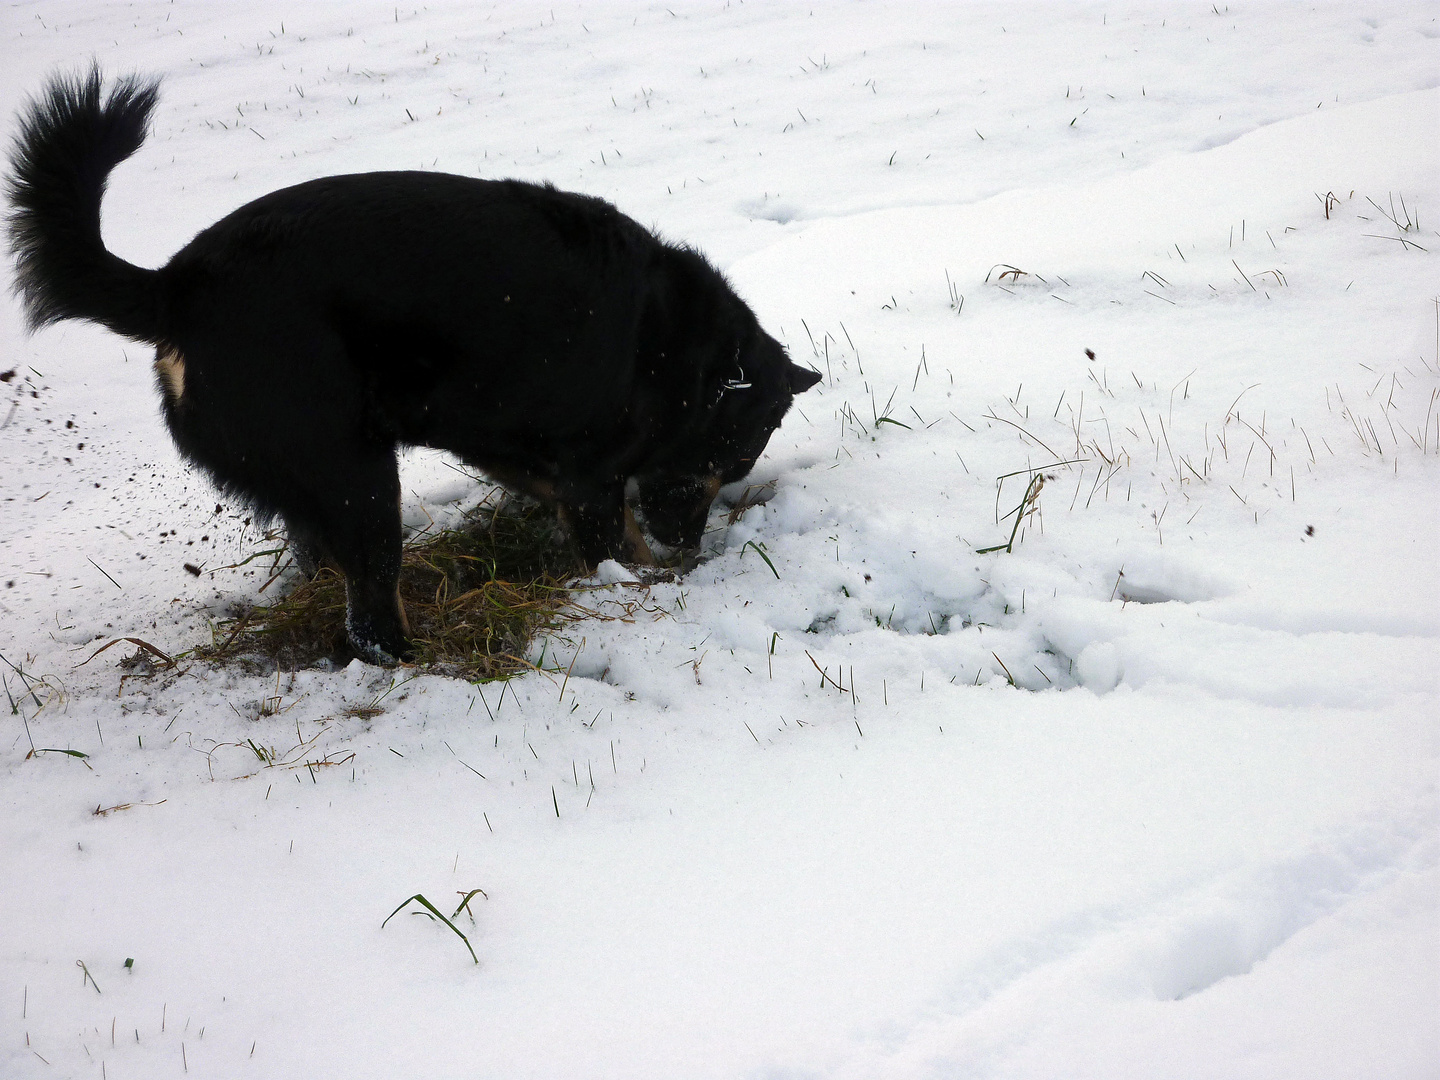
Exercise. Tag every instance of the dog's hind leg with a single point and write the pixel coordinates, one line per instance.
(273, 410)
(304, 549)
(358, 526)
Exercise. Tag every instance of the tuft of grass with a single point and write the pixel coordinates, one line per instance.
(1014, 273)
(1028, 506)
(28, 685)
(957, 301)
(475, 596)
(434, 913)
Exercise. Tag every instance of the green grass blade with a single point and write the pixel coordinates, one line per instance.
(761, 552)
(419, 898)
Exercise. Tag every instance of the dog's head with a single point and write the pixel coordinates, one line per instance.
(747, 397)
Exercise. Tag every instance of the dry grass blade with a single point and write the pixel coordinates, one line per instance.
(143, 646)
(475, 597)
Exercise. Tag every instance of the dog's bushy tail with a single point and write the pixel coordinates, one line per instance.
(70, 137)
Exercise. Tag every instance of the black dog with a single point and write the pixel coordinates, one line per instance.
(543, 337)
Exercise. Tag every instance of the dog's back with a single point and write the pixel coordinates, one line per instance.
(446, 294)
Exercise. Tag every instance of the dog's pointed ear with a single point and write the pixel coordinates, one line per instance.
(801, 379)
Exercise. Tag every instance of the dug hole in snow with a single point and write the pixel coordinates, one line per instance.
(1142, 301)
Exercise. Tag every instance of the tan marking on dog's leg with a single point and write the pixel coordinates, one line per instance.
(400, 607)
(539, 488)
(170, 366)
(520, 483)
(637, 550)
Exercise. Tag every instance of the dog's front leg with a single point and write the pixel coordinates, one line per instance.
(638, 551)
(604, 528)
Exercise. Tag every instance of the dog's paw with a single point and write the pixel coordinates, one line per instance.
(379, 655)
(375, 647)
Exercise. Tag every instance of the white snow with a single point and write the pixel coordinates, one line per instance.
(1196, 837)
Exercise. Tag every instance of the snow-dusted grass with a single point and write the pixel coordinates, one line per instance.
(1149, 794)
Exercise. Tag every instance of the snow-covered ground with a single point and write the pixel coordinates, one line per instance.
(1150, 794)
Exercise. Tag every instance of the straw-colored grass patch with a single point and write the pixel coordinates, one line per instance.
(475, 597)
